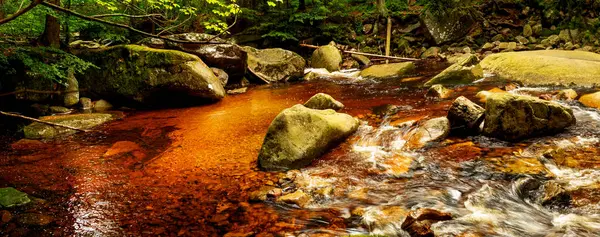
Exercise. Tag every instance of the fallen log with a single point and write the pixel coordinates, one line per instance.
(42, 121)
(366, 54)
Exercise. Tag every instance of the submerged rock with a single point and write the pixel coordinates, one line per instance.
(431, 130)
(567, 94)
(514, 117)
(83, 121)
(273, 65)
(465, 116)
(299, 135)
(418, 222)
(591, 100)
(465, 71)
(10, 197)
(323, 101)
(545, 67)
(34, 219)
(438, 91)
(383, 71)
(298, 198)
(328, 57)
(145, 75)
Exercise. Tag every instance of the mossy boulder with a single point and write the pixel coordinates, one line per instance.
(299, 135)
(392, 70)
(447, 27)
(328, 57)
(146, 75)
(323, 101)
(516, 117)
(545, 67)
(10, 197)
(591, 100)
(275, 64)
(83, 121)
(465, 71)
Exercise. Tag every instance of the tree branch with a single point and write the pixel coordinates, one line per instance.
(20, 12)
(64, 10)
(125, 15)
(42, 121)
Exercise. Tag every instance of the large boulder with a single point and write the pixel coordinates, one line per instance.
(82, 121)
(299, 135)
(275, 64)
(447, 27)
(145, 75)
(323, 101)
(515, 117)
(392, 70)
(229, 57)
(545, 67)
(591, 100)
(328, 57)
(465, 116)
(465, 71)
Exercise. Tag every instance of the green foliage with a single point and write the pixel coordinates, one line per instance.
(41, 62)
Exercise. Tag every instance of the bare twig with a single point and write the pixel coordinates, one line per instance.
(125, 15)
(365, 54)
(21, 12)
(175, 26)
(42, 121)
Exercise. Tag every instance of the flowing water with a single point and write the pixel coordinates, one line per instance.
(189, 172)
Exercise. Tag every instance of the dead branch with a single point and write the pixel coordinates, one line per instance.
(40, 92)
(42, 121)
(365, 54)
(125, 15)
(79, 15)
(20, 12)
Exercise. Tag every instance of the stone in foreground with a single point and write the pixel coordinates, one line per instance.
(323, 101)
(465, 116)
(465, 71)
(83, 121)
(299, 135)
(432, 130)
(328, 57)
(591, 100)
(274, 65)
(546, 67)
(392, 70)
(515, 117)
(145, 75)
(10, 197)
(438, 91)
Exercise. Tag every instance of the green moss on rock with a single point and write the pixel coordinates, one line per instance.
(10, 197)
(392, 70)
(83, 121)
(465, 71)
(328, 57)
(299, 135)
(546, 67)
(323, 101)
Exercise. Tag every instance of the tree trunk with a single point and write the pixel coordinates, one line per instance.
(301, 6)
(2, 15)
(382, 8)
(51, 35)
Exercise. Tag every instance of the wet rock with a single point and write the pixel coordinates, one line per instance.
(83, 121)
(34, 219)
(102, 105)
(448, 26)
(264, 192)
(511, 167)
(545, 67)
(122, 147)
(483, 95)
(222, 75)
(328, 57)
(591, 100)
(383, 220)
(465, 116)
(487, 46)
(5, 216)
(398, 166)
(513, 117)
(362, 60)
(237, 91)
(323, 101)
(299, 135)
(10, 197)
(360, 194)
(527, 30)
(71, 98)
(273, 65)
(59, 110)
(28, 144)
(537, 29)
(555, 195)
(567, 94)
(431, 130)
(465, 71)
(388, 109)
(431, 52)
(438, 91)
(521, 40)
(392, 70)
(298, 198)
(146, 75)
(85, 103)
(418, 222)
